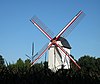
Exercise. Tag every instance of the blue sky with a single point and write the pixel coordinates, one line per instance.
(17, 32)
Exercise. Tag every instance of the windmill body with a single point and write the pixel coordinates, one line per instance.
(57, 59)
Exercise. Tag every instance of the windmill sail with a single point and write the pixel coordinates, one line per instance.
(32, 48)
(42, 27)
(73, 25)
(41, 52)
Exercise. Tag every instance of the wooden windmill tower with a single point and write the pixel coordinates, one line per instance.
(58, 47)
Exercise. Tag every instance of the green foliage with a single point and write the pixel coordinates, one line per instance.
(90, 66)
(21, 72)
(38, 66)
(27, 64)
(1, 61)
(20, 63)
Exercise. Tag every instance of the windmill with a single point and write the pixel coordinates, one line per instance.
(58, 47)
(32, 53)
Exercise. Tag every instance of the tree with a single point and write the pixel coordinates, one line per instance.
(98, 68)
(88, 66)
(27, 64)
(1, 61)
(38, 66)
(20, 65)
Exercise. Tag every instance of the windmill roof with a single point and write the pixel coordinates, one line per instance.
(64, 42)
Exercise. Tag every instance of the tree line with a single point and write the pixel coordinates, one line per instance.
(21, 72)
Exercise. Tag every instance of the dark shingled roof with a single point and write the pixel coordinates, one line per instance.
(64, 42)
